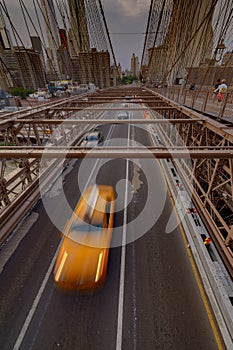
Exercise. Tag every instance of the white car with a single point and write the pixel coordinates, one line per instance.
(123, 115)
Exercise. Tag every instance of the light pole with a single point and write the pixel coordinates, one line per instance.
(218, 52)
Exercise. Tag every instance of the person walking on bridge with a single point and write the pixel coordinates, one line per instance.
(221, 89)
(218, 82)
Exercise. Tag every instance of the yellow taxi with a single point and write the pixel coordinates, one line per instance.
(82, 260)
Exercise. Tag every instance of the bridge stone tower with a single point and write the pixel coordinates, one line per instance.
(188, 42)
(79, 38)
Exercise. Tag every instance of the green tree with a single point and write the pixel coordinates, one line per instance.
(128, 79)
(20, 91)
(9, 143)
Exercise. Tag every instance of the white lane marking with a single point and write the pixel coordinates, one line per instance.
(41, 319)
(123, 251)
(134, 300)
(43, 285)
(35, 303)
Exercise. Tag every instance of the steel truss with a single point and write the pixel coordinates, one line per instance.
(17, 175)
(210, 180)
(201, 149)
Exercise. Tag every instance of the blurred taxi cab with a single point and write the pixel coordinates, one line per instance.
(83, 257)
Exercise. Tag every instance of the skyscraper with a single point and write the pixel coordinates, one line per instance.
(134, 65)
(8, 73)
(30, 68)
(79, 37)
(52, 33)
(36, 44)
(4, 33)
(92, 67)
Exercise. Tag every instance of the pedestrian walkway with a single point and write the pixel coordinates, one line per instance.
(201, 100)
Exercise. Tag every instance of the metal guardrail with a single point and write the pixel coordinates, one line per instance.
(13, 213)
(212, 132)
(216, 280)
(116, 152)
(203, 101)
(19, 208)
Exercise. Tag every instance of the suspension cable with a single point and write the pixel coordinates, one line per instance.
(109, 39)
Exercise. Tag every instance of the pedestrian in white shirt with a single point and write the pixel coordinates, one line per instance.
(221, 89)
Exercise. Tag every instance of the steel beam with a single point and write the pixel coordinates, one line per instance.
(104, 152)
(199, 136)
(108, 121)
(114, 97)
(164, 108)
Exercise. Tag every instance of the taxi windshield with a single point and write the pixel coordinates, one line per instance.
(79, 232)
(78, 227)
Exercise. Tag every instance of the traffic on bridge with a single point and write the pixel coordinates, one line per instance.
(116, 190)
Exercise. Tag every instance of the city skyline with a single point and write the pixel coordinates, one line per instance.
(126, 24)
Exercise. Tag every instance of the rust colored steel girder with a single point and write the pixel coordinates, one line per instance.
(108, 121)
(35, 112)
(210, 174)
(116, 152)
(122, 98)
(133, 100)
(159, 108)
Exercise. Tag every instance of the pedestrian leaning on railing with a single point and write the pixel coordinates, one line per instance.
(221, 89)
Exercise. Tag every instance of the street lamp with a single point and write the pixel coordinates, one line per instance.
(219, 51)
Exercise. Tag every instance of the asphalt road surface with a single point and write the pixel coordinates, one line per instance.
(150, 300)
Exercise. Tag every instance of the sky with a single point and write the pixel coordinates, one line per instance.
(127, 16)
(122, 16)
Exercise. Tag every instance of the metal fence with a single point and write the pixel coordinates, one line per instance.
(201, 100)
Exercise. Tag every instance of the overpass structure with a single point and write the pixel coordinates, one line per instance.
(39, 143)
(157, 279)
(200, 148)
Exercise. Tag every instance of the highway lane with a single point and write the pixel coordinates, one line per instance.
(162, 307)
(60, 310)
(86, 321)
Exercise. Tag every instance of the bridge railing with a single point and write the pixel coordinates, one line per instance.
(204, 101)
(19, 179)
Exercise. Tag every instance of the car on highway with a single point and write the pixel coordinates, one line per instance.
(82, 260)
(122, 115)
(128, 97)
(92, 139)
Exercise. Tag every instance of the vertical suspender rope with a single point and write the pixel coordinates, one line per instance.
(109, 39)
